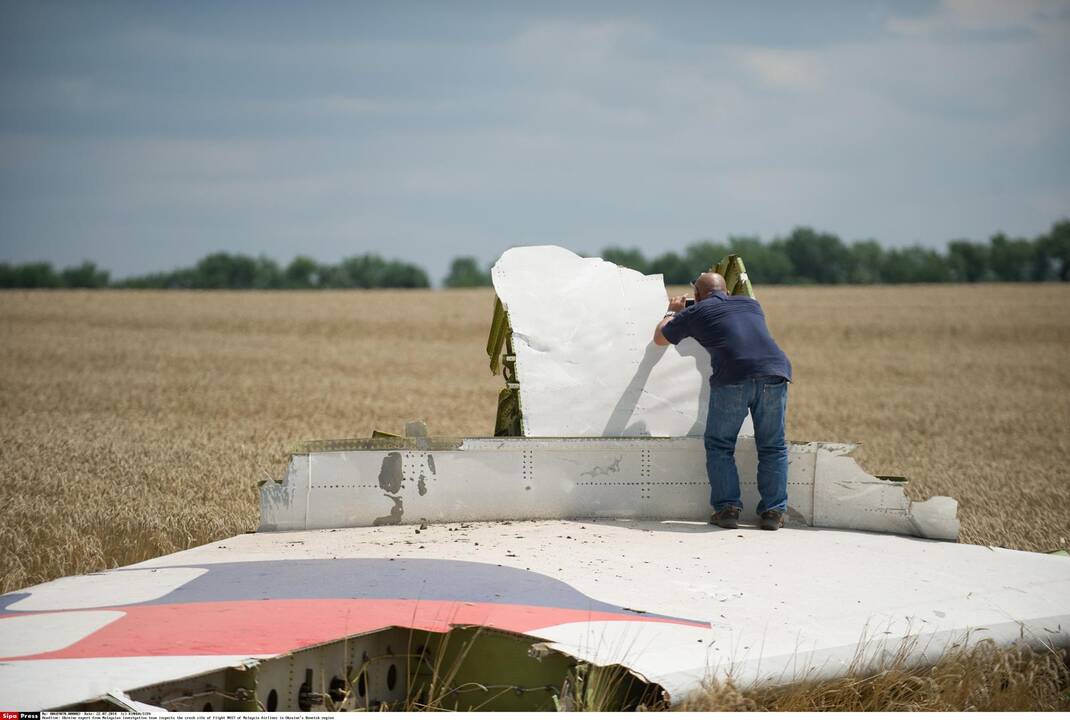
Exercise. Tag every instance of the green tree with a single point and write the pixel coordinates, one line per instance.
(86, 275)
(766, 264)
(236, 272)
(222, 270)
(864, 261)
(914, 265)
(301, 274)
(673, 268)
(371, 271)
(29, 275)
(1012, 260)
(632, 258)
(361, 271)
(404, 275)
(968, 261)
(816, 257)
(465, 272)
(7, 276)
(1056, 247)
(702, 255)
(267, 275)
(181, 279)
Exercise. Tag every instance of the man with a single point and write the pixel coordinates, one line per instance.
(750, 373)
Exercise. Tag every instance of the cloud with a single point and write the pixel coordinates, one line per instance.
(346, 105)
(791, 70)
(579, 46)
(585, 128)
(988, 19)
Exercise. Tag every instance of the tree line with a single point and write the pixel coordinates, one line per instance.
(803, 256)
(231, 272)
(807, 256)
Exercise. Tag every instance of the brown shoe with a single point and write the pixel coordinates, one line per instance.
(771, 520)
(727, 517)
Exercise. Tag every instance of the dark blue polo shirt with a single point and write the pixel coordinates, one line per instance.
(732, 328)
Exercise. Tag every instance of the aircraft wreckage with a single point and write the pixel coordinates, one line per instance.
(563, 563)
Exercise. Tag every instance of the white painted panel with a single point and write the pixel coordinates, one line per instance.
(547, 478)
(283, 506)
(793, 601)
(344, 488)
(104, 589)
(583, 336)
(33, 684)
(33, 634)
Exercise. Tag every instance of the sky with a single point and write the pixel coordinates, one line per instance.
(144, 135)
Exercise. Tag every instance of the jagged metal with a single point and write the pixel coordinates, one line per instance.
(579, 334)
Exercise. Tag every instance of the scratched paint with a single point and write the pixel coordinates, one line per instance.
(594, 472)
(391, 475)
(392, 480)
(394, 477)
(395, 514)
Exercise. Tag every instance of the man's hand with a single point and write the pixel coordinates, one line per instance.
(676, 304)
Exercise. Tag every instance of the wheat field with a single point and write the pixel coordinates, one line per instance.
(137, 423)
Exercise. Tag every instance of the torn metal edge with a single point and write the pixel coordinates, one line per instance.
(539, 649)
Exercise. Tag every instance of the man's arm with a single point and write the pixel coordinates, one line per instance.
(676, 304)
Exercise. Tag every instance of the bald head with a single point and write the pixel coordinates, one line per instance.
(709, 283)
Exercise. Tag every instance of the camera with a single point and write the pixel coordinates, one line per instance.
(688, 302)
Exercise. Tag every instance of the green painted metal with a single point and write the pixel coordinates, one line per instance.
(499, 333)
(479, 668)
(609, 688)
(240, 693)
(734, 272)
(507, 422)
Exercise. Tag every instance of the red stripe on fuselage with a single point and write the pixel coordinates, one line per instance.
(272, 627)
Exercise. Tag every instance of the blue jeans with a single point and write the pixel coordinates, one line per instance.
(767, 399)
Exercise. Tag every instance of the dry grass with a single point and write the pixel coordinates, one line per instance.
(965, 390)
(137, 423)
(982, 678)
